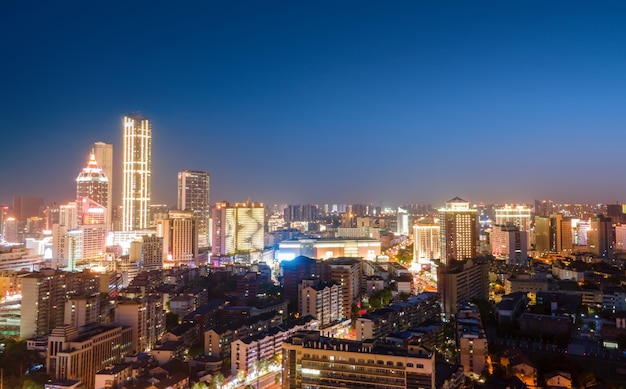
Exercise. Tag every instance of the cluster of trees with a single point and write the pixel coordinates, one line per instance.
(17, 364)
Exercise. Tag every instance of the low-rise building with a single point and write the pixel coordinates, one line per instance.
(311, 360)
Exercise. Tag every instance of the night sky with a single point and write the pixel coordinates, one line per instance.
(386, 102)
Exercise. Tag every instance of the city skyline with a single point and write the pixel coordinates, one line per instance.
(358, 102)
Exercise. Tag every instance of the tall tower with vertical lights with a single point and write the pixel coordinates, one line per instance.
(137, 171)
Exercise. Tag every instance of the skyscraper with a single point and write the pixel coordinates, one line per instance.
(93, 184)
(137, 172)
(103, 152)
(457, 223)
(193, 195)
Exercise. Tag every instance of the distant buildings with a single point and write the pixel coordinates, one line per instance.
(137, 172)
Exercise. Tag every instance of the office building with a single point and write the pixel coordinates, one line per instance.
(92, 184)
(103, 153)
(180, 238)
(314, 361)
(458, 228)
(137, 172)
(427, 242)
(238, 228)
(193, 195)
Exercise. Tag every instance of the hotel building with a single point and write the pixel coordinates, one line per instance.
(457, 223)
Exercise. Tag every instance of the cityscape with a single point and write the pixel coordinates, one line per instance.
(460, 235)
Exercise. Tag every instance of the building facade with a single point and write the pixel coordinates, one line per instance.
(238, 228)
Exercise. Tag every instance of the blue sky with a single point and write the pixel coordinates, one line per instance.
(338, 102)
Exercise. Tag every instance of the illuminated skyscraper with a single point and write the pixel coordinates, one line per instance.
(457, 222)
(93, 184)
(193, 195)
(238, 228)
(104, 156)
(137, 172)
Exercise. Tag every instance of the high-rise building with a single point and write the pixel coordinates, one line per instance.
(93, 184)
(238, 228)
(103, 153)
(180, 238)
(193, 195)
(426, 238)
(137, 172)
(458, 228)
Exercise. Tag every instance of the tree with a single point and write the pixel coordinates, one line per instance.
(171, 320)
(196, 349)
(217, 381)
